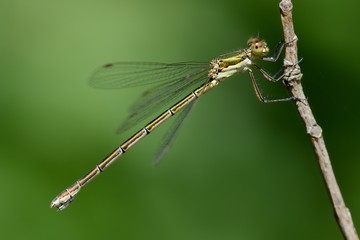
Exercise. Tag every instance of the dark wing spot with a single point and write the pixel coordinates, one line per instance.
(108, 65)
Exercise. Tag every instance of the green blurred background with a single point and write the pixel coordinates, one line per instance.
(239, 169)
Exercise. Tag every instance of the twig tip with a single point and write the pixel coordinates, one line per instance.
(286, 6)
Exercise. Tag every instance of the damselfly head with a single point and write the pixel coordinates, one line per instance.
(257, 47)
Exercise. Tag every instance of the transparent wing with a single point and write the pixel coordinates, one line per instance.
(159, 96)
(171, 133)
(132, 74)
(231, 54)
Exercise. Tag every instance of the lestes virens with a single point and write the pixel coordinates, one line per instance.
(172, 79)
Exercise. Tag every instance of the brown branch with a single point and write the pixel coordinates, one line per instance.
(292, 81)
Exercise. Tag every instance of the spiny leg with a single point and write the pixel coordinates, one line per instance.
(266, 75)
(279, 48)
(276, 77)
(260, 96)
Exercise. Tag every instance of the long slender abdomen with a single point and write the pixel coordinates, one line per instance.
(65, 198)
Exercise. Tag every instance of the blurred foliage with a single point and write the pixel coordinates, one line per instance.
(239, 169)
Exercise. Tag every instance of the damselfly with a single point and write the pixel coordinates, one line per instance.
(173, 80)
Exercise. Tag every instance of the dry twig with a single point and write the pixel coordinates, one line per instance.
(292, 81)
